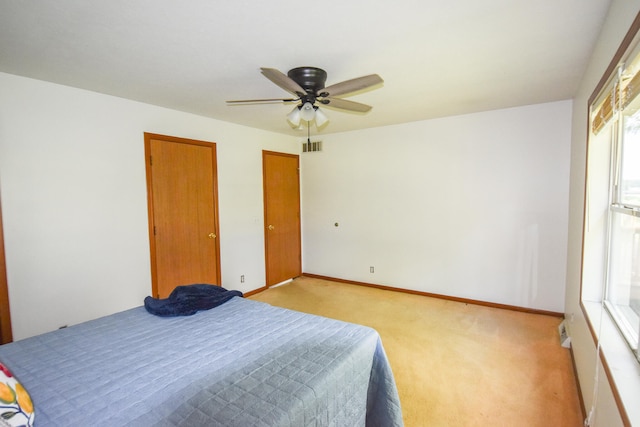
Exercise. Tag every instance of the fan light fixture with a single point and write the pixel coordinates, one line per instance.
(294, 116)
(306, 112)
(321, 118)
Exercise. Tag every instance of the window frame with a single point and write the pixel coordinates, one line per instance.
(609, 106)
(624, 317)
(618, 363)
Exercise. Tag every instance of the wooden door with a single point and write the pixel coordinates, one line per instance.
(183, 214)
(6, 334)
(281, 180)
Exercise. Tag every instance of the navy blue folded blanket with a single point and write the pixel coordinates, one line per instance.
(189, 299)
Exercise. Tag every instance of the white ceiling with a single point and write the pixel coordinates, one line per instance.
(437, 58)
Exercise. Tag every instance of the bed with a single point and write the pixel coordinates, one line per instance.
(243, 363)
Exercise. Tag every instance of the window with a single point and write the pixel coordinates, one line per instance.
(622, 296)
(612, 226)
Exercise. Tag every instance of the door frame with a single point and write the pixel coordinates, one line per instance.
(6, 334)
(152, 242)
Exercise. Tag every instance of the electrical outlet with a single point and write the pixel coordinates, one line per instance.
(242, 278)
(371, 269)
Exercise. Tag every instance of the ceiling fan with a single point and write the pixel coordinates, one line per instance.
(307, 85)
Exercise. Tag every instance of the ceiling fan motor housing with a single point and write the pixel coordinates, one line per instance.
(311, 79)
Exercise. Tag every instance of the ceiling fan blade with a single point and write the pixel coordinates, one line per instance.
(352, 85)
(345, 104)
(259, 101)
(284, 81)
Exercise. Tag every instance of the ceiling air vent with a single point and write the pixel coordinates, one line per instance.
(311, 146)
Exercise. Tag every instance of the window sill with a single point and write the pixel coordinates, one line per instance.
(623, 367)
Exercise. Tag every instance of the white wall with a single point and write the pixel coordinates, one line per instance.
(619, 19)
(472, 206)
(73, 186)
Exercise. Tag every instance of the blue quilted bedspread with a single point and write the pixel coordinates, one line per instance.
(243, 363)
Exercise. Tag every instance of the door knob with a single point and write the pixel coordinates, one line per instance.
(271, 227)
(212, 235)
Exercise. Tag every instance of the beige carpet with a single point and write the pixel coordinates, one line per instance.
(455, 364)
